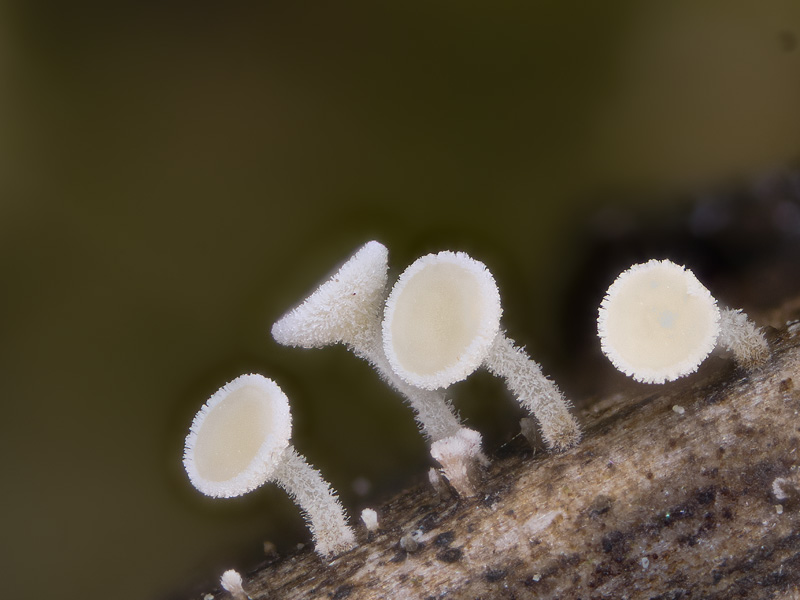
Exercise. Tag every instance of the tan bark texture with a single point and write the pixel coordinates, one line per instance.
(686, 490)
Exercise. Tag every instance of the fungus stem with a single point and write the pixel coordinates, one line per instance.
(535, 392)
(740, 335)
(434, 414)
(320, 507)
(455, 447)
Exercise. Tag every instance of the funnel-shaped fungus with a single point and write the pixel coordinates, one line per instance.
(657, 323)
(347, 309)
(239, 440)
(442, 321)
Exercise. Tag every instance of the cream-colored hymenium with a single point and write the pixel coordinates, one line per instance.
(347, 309)
(657, 323)
(442, 322)
(239, 440)
(231, 582)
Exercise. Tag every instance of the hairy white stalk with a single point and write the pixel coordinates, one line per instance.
(535, 392)
(741, 336)
(231, 582)
(317, 501)
(435, 416)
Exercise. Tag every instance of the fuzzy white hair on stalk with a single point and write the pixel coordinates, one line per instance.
(240, 439)
(347, 309)
(658, 323)
(442, 322)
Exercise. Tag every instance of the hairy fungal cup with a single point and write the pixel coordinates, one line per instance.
(347, 309)
(657, 323)
(239, 440)
(442, 322)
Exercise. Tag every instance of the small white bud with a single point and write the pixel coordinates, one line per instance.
(370, 518)
(231, 582)
(784, 488)
(458, 456)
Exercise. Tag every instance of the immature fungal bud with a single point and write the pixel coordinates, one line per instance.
(459, 455)
(370, 519)
(231, 582)
(657, 323)
(442, 322)
(239, 440)
(347, 309)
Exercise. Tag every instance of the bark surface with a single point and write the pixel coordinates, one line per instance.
(686, 490)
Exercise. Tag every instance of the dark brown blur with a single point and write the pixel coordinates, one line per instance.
(172, 179)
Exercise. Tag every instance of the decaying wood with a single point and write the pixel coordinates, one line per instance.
(687, 490)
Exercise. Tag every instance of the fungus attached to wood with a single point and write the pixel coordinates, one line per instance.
(657, 323)
(442, 322)
(347, 309)
(370, 519)
(231, 582)
(460, 456)
(239, 440)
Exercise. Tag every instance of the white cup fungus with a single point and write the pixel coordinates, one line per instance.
(657, 323)
(442, 322)
(347, 309)
(239, 440)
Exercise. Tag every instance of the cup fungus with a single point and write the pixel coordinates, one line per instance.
(239, 440)
(442, 322)
(657, 323)
(347, 309)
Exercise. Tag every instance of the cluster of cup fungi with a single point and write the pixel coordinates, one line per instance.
(438, 324)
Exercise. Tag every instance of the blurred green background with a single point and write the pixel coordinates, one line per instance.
(173, 178)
